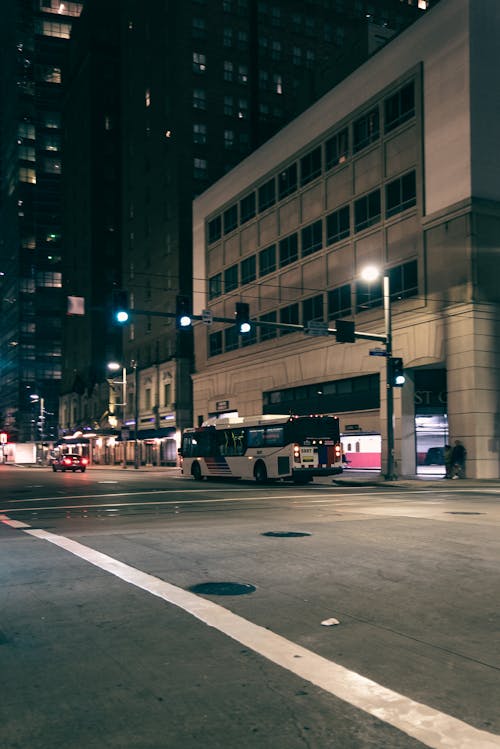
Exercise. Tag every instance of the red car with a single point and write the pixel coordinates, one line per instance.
(70, 463)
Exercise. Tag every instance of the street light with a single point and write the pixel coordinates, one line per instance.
(370, 274)
(115, 367)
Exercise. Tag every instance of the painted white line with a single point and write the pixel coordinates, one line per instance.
(433, 728)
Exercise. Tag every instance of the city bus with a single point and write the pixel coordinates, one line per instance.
(263, 448)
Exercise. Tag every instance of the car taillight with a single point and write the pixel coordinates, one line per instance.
(84, 461)
(67, 461)
(296, 453)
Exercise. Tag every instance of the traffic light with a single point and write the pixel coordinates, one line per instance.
(121, 307)
(183, 312)
(396, 372)
(345, 331)
(242, 315)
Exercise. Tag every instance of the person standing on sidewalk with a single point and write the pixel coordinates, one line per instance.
(458, 456)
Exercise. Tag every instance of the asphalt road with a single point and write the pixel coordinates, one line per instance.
(356, 617)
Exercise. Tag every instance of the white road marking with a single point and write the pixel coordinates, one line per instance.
(431, 727)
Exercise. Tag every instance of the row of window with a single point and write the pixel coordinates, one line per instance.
(400, 194)
(398, 108)
(362, 384)
(341, 302)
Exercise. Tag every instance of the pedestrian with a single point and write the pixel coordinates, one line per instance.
(448, 461)
(458, 456)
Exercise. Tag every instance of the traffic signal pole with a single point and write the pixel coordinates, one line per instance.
(390, 473)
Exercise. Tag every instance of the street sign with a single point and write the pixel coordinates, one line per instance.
(378, 352)
(207, 316)
(316, 327)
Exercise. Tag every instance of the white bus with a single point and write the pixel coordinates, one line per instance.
(264, 447)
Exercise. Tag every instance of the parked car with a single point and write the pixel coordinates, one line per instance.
(70, 463)
(435, 456)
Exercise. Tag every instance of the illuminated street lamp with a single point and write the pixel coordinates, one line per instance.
(370, 274)
(115, 367)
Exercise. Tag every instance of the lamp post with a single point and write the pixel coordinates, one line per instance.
(114, 367)
(136, 414)
(371, 273)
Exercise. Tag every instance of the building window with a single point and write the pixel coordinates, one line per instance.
(215, 343)
(215, 286)
(199, 98)
(243, 74)
(337, 225)
(310, 166)
(214, 229)
(199, 28)
(339, 302)
(199, 62)
(337, 148)
(27, 175)
(400, 194)
(228, 105)
(59, 30)
(52, 165)
(310, 58)
(49, 74)
(312, 309)
(230, 279)
(368, 295)
(367, 210)
(49, 279)
(403, 281)
(26, 130)
(263, 80)
(242, 40)
(200, 168)
(312, 238)
(227, 40)
(228, 70)
(276, 50)
(230, 218)
(26, 153)
(267, 333)
(277, 83)
(242, 109)
(288, 250)
(248, 339)
(167, 393)
(287, 181)
(267, 194)
(228, 139)
(147, 97)
(248, 270)
(247, 208)
(366, 130)
(399, 107)
(199, 133)
(51, 119)
(231, 338)
(297, 56)
(290, 316)
(267, 260)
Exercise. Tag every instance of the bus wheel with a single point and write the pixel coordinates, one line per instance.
(196, 472)
(260, 473)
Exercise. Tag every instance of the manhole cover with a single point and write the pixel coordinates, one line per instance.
(222, 589)
(464, 513)
(285, 534)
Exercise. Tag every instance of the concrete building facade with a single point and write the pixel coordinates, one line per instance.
(396, 166)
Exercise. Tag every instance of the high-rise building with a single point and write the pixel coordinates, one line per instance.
(34, 38)
(202, 85)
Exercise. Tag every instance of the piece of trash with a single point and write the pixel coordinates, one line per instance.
(329, 622)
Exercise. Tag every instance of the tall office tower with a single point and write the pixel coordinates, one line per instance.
(34, 37)
(203, 84)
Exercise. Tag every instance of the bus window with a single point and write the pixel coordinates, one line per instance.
(274, 436)
(231, 442)
(255, 437)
